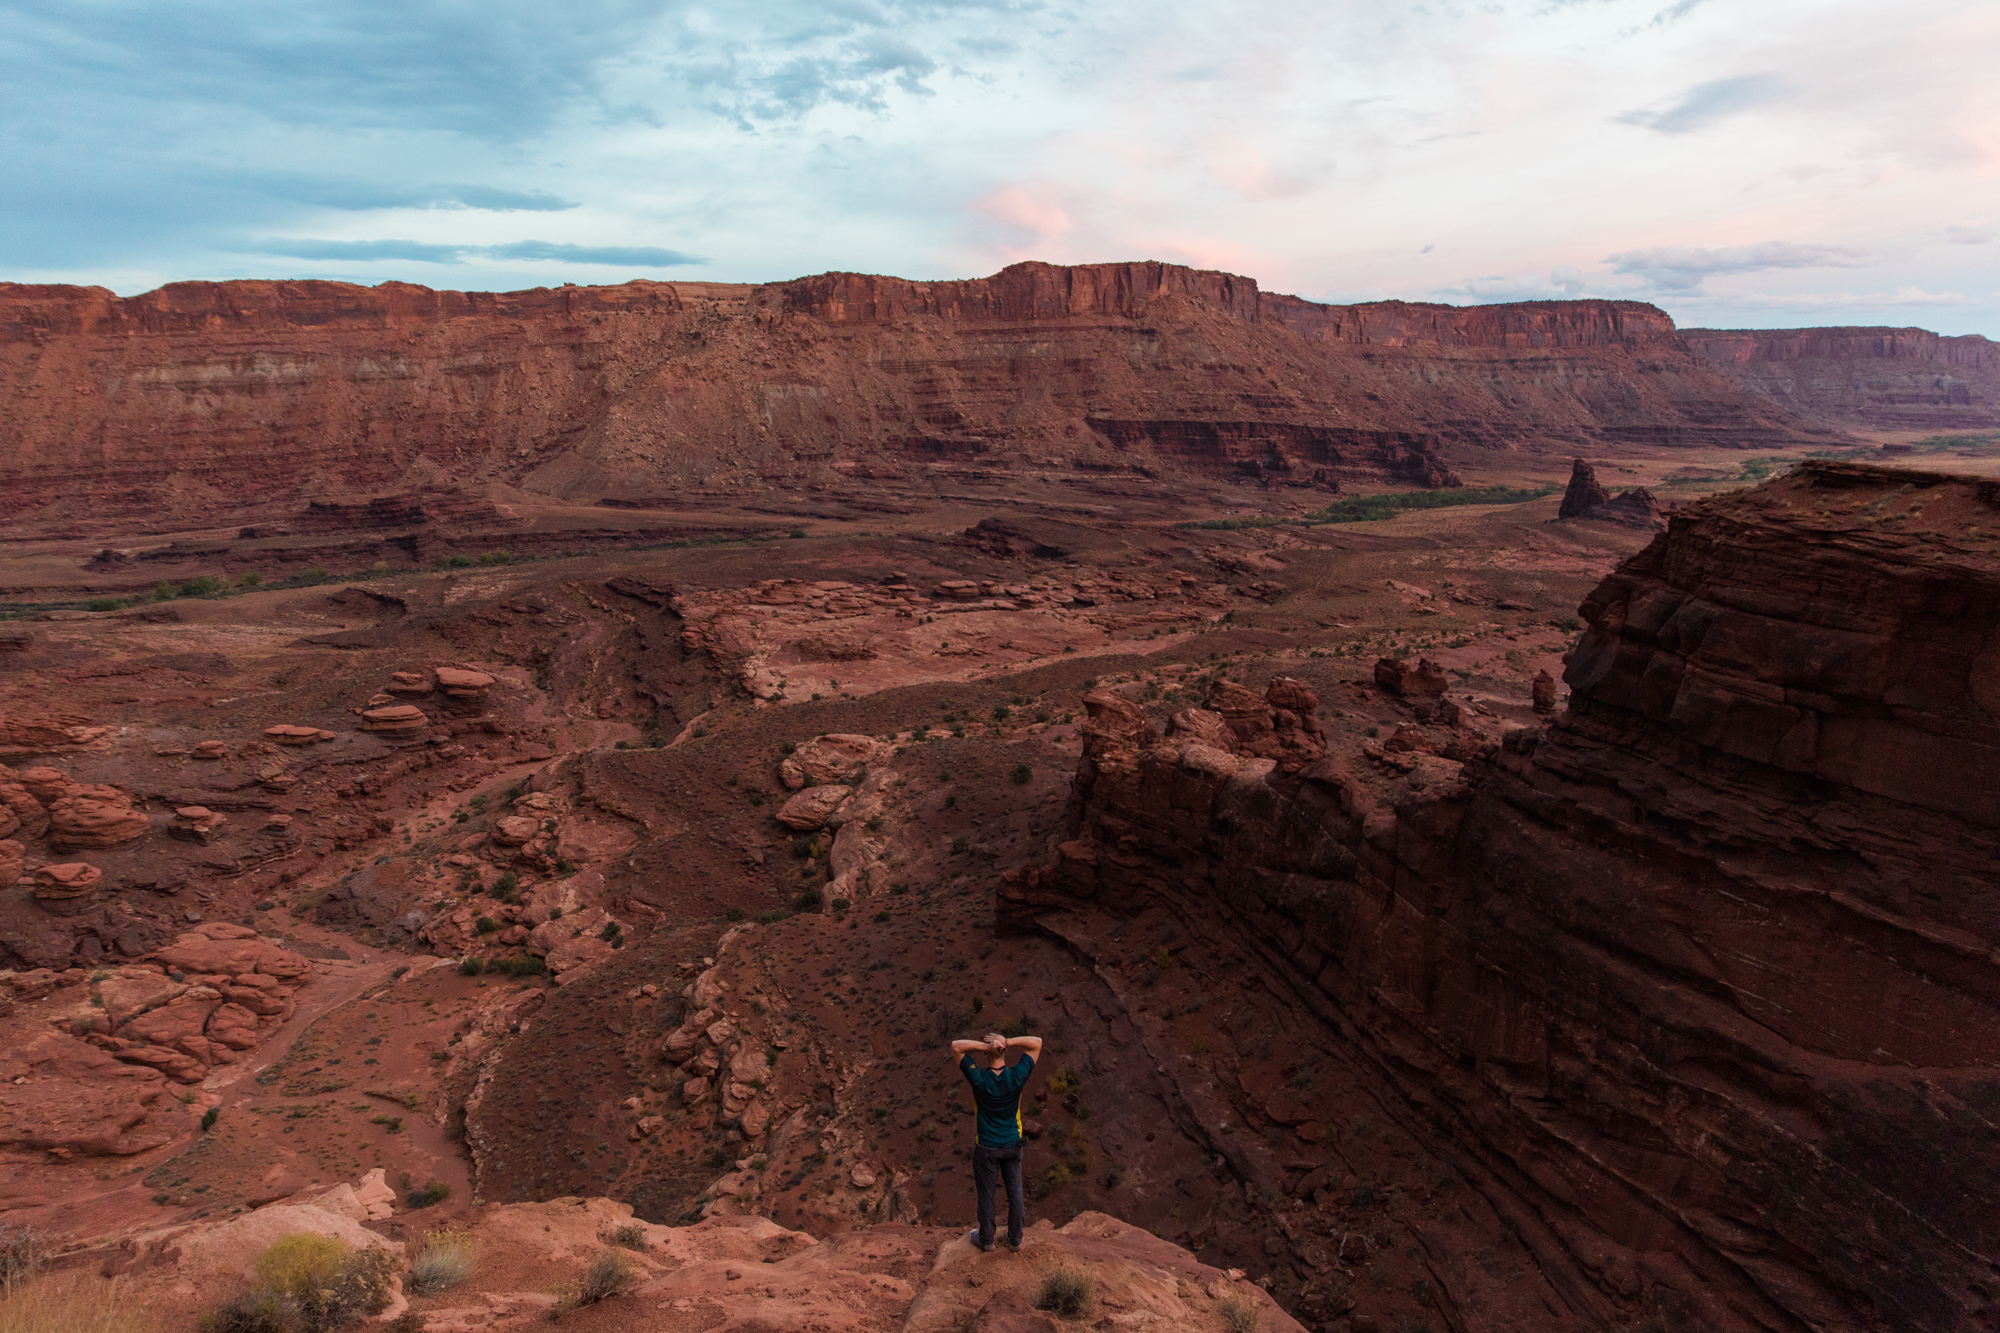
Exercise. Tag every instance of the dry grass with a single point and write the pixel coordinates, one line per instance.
(72, 1303)
(1066, 1293)
(440, 1260)
(1238, 1315)
(610, 1274)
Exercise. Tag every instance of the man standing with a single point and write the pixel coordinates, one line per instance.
(996, 1088)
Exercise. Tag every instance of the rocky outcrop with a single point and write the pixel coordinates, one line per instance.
(1697, 982)
(1862, 378)
(1586, 498)
(344, 401)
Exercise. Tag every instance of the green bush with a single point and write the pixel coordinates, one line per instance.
(808, 900)
(471, 967)
(433, 1193)
(104, 604)
(250, 580)
(631, 1236)
(497, 558)
(733, 913)
(610, 931)
(209, 1117)
(520, 965)
(485, 925)
(1020, 775)
(308, 1284)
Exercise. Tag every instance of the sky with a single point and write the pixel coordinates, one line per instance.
(1743, 165)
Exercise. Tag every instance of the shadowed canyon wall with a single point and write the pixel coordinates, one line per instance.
(201, 398)
(1697, 984)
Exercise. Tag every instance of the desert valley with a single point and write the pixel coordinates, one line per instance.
(1491, 809)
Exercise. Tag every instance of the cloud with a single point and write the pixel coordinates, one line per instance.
(618, 256)
(1959, 234)
(611, 256)
(1706, 103)
(1684, 268)
(305, 248)
(505, 201)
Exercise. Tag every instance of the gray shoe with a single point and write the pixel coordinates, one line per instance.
(983, 1248)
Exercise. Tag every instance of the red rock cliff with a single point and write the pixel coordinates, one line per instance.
(205, 397)
(1697, 984)
(1878, 379)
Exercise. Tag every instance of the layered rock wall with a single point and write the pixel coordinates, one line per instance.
(1697, 985)
(208, 398)
(1863, 378)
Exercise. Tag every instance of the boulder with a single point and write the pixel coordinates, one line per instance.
(20, 812)
(94, 820)
(409, 682)
(396, 720)
(12, 858)
(70, 879)
(209, 750)
(459, 683)
(197, 823)
(47, 785)
(836, 758)
(514, 830)
(811, 808)
(286, 734)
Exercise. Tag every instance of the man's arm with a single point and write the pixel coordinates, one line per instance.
(1031, 1045)
(964, 1047)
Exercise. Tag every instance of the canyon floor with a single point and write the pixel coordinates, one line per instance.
(663, 871)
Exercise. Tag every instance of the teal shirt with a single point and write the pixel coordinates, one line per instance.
(998, 1094)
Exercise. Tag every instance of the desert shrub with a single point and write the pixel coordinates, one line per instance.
(471, 967)
(209, 1117)
(104, 604)
(497, 558)
(773, 917)
(520, 965)
(632, 1236)
(23, 1252)
(307, 1284)
(250, 580)
(1020, 775)
(882, 916)
(71, 1303)
(610, 931)
(440, 1260)
(1238, 1315)
(202, 585)
(485, 925)
(610, 1274)
(1066, 1293)
(734, 913)
(809, 900)
(840, 904)
(960, 846)
(433, 1193)
(1017, 1027)
(458, 561)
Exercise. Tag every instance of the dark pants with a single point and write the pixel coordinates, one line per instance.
(987, 1165)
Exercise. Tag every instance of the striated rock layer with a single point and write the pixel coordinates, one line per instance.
(1866, 378)
(1697, 984)
(206, 397)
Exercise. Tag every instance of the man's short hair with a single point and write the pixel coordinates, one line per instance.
(992, 1037)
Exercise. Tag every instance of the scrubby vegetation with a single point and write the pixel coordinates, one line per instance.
(440, 1260)
(1373, 508)
(307, 1284)
(1066, 1293)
